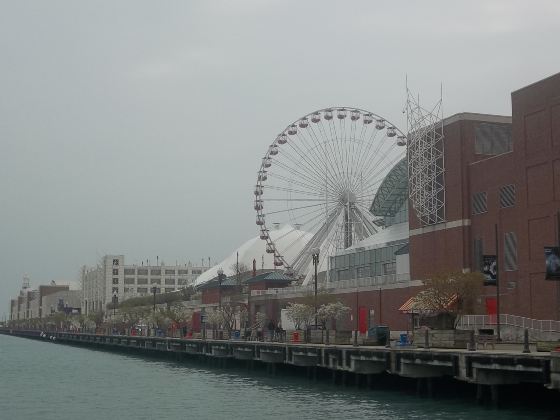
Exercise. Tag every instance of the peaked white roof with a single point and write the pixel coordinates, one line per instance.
(288, 240)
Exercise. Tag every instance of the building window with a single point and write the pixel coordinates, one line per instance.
(115, 290)
(507, 196)
(478, 251)
(155, 272)
(479, 204)
(510, 251)
(492, 139)
(183, 272)
(169, 289)
(116, 262)
(169, 271)
(129, 280)
(142, 271)
(115, 271)
(115, 280)
(129, 271)
(197, 272)
(142, 280)
(388, 268)
(170, 281)
(156, 281)
(142, 290)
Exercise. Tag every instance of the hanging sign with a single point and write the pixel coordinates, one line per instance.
(490, 269)
(552, 262)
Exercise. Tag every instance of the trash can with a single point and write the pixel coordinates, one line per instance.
(379, 334)
(403, 339)
(295, 336)
(236, 335)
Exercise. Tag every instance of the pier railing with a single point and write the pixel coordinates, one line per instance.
(481, 321)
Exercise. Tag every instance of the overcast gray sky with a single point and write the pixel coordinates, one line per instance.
(137, 127)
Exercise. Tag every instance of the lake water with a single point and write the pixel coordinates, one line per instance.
(42, 380)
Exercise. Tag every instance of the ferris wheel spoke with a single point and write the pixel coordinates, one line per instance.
(330, 147)
(367, 156)
(302, 139)
(339, 152)
(301, 161)
(315, 176)
(331, 143)
(290, 181)
(295, 171)
(294, 209)
(378, 170)
(329, 159)
(291, 190)
(359, 153)
(315, 143)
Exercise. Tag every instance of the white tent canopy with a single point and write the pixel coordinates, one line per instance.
(288, 240)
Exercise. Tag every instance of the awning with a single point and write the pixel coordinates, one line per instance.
(413, 306)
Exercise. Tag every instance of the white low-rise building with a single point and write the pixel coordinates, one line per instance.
(113, 278)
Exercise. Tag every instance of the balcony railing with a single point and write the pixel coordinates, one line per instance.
(342, 284)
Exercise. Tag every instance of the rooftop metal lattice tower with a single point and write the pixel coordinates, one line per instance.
(426, 164)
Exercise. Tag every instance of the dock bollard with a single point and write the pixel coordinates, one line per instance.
(427, 339)
(472, 344)
(526, 348)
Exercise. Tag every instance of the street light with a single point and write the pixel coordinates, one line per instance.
(115, 302)
(154, 291)
(220, 277)
(315, 255)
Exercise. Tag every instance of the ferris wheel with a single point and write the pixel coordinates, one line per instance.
(319, 176)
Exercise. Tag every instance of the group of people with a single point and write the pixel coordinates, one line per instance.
(276, 332)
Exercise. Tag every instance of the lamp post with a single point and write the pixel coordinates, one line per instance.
(154, 291)
(315, 256)
(220, 277)
(115, 302)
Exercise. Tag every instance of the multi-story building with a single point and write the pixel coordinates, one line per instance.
(113, 278)
(41, 302)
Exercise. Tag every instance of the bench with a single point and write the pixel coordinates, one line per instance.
(486, 339)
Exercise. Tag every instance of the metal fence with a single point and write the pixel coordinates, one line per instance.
(480, 321)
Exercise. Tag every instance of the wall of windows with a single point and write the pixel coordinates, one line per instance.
(365, 262)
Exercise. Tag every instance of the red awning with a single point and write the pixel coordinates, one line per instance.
(412, 306)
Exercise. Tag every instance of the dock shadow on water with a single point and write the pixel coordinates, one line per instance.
(49, 381)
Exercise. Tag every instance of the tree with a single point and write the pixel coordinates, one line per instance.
(300, 314)
(449, 295)
(97, 318)
(331, 312)
(243, 268)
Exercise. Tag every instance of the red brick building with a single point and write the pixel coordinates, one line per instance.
(509, 185)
